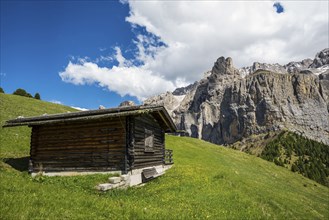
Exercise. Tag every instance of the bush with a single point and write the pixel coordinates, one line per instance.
(1, 90)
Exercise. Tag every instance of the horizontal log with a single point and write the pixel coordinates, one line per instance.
(143, 153)
(109, 153)
(72, 130)
(78, 156)
(146, 119)
(76, 163)
(139, 143)
(84, 125)
(81, 135)
(100, 152)
(95, 129)
(89, 144)
(77, 151)
(81, 146)
(54, 169)
(142, 140)
(141, 129)
(75, 158)
(80, 164)
(148, 164)
(141, 161)
(148, 154)
(140, 147)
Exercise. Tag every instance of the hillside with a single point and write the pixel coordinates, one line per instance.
(206, 182)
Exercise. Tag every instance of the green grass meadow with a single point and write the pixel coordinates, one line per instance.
(206, 182)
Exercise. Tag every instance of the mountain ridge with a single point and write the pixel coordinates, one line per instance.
(229, 104)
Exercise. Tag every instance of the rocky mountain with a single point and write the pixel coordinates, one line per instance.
(321, 59)
(229, 104)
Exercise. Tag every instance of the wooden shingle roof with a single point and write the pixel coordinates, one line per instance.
(157, 111)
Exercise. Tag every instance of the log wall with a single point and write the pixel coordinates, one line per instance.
(143, 157)
(87, 146)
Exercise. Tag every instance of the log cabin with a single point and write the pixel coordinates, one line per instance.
(116, 139)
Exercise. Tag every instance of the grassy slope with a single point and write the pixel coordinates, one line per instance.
(207, 181)
(13, 140)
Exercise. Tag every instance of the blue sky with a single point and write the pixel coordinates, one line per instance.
(91, 53)
(38, 38)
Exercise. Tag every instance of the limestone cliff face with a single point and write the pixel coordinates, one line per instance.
(226, 106)
(267, 101)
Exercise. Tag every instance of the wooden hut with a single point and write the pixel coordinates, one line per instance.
(117, 139)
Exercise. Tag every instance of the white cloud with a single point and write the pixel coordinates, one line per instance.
(133, 81)
(196, 33)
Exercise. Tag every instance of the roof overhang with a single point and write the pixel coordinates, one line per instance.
(158, 111)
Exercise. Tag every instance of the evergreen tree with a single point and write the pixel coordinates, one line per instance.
(294, 168)
(37, 96)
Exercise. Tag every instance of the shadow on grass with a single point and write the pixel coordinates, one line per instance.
(21, 164)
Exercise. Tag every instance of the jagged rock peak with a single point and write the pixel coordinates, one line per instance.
(184, 90)
(224, 66)
(296, 67)
(321, 58)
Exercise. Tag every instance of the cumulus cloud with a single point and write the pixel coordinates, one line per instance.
(122, 79)
(198, 32)
(184, 38)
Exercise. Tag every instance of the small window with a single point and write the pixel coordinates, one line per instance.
(149, 140)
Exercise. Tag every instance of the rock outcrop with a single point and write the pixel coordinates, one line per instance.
(127, 104)
(229, 104)
(321, 59)
(297, 67)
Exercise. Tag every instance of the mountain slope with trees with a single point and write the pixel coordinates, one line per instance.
(302, 155)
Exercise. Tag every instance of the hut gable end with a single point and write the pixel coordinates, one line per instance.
(149, 142)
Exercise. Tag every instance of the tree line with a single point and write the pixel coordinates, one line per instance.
(23, 92)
